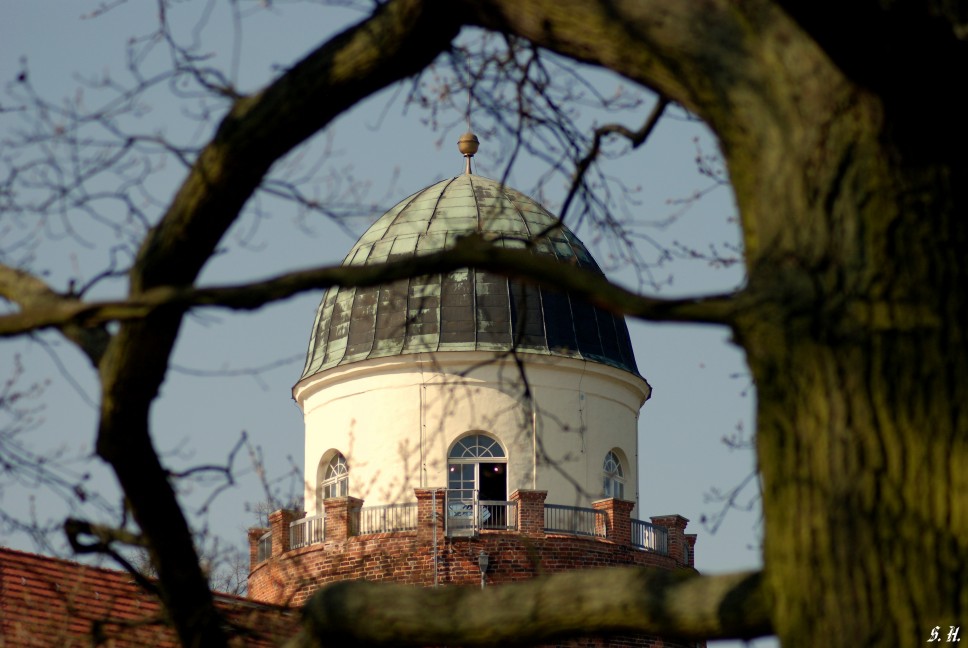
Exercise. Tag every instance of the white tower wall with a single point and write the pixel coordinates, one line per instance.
(395, 419)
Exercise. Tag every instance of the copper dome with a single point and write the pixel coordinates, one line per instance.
(467, 310)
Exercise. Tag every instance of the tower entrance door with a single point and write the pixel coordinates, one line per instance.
(478, 463)
(492, 481)
(476, 480)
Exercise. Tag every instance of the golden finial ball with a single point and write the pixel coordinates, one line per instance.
(468, 144)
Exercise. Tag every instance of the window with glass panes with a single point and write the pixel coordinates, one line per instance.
(336, 478)
(613, 478)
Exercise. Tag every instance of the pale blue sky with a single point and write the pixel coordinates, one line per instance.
(700, 390)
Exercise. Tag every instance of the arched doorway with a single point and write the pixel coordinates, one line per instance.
(477, 485)
(478, 463)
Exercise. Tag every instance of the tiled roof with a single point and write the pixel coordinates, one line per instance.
(53, 602)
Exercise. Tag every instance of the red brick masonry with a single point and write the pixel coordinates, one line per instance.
(48, 601)
(289, 577)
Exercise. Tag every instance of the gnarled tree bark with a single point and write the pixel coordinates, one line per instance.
(397, 41)
(613, 600)
(853, 211)
(854, 235)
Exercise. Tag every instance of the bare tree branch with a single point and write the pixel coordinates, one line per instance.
(103, 539)
(29, 292)
(636, 138)
(852, 212)
(469, 251)
(668, 46)
(398, 40)
(673, 604)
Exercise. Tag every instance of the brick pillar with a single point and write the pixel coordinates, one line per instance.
(254, 534)
(676, 525)
(279, 525)
(341, 520)
(619, 516)
(530, 511)
(691, 543)
(428, 516)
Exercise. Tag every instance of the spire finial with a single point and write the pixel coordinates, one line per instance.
(468, 145)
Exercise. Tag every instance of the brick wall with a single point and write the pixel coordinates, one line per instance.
(530, 511)
(618, 518)
(253, 535)
(676, 526)
(279, 522)
(408, 557)
(402, 558)
(690, 539)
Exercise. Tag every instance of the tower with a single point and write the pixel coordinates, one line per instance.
(460, 413)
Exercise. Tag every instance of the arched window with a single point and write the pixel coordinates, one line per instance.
(613, 477)
(478, 463)
(335, 481)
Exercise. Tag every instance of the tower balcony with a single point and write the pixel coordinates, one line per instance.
(438, 539)
(468, 516)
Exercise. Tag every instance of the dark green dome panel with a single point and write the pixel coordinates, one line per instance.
(466, 310)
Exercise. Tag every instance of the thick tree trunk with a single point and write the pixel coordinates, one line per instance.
(862, 449)
(848, 161)
(855, 339)
(853, 204)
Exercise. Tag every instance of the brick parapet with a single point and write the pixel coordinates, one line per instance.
(671, 521)
(618, 519)
(676, 526)
(530, 511)
(341, 518)
(279, 522)
(254, 534)
(430, 512)
(404, 558)
(690, 539)
(408, 557)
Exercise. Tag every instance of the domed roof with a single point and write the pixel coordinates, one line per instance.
(466, 310)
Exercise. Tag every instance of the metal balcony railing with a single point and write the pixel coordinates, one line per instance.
(498, 515)
(264, 551)
(386, 519)
(650, 537)
(466, 515)
(307, 531)
(575, 520)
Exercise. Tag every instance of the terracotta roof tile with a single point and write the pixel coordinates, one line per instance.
(53, 602)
